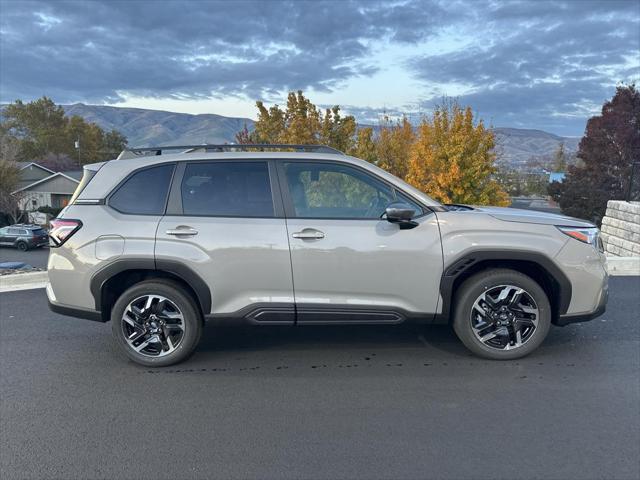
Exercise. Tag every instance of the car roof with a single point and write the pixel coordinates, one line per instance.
(25, 226)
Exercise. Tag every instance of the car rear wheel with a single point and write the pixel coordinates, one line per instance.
(156, 323)
(501, 314)
(22, 246)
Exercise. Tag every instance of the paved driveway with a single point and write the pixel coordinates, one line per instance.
(319, 402)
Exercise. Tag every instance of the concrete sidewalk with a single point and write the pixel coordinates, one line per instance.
(618, 266)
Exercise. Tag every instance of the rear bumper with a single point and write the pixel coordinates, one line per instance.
(84, 313)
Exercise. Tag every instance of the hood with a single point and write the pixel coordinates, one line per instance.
(531, 216)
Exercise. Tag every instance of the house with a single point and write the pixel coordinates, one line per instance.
(40, 186)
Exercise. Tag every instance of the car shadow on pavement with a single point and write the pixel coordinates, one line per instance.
(347, 338)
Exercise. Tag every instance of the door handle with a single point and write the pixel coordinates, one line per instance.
(308, 234)
(181, 231)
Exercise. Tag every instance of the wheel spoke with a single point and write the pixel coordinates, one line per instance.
(515, 300)
(158, 308)
(523, 322)
(142, 345)
(129, 321)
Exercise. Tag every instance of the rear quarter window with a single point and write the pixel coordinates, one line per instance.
(144, 192)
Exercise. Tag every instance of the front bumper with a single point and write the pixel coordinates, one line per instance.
(586, 316)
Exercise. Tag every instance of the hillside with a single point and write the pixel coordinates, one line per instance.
(519, 145)
(146, 128)
(154, 127)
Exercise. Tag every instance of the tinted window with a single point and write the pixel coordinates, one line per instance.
(336, 191)
(144, 193)
(238, 189)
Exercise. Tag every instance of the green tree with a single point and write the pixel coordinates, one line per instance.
(9, 178)
(37, 125)
(42, 131)
(609, 147)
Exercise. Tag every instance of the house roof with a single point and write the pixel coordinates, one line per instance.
(23, 165)
(77, 174)
(50, 177)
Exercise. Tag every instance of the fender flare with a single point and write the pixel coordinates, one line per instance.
(463, 263)
(199, 286)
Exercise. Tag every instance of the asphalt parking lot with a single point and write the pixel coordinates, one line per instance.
(319, 402)
(37, 257)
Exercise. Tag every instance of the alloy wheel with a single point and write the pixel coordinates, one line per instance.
(504, 317)
(153, 325)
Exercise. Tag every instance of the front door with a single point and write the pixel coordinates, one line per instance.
(226, 226)
(349, 265)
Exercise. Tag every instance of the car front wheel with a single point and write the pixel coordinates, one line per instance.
(501, 314)
(156, 323)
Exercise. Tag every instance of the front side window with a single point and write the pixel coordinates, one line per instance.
(324, 190)
(144, 192)
(229, 189)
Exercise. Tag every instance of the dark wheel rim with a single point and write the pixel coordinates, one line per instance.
(504, 317)
(22, 246)
(153, 325)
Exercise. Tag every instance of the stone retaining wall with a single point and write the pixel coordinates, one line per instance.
(621, 229)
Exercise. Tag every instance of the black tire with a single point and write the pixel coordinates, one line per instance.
(22, 246)
(472, 288)
(172, 291)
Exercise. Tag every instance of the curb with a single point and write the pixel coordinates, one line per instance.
(23, 281)
(617, 266)
(623, 265)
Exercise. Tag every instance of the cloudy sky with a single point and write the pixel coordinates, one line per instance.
(526, 64)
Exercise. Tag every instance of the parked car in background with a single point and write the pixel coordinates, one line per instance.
(23, 236)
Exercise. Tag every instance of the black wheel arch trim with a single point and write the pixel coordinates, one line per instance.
(199, 286)
(462, 264)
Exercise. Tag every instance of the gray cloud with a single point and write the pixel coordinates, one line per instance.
(93, 50)
(542, 64)
(537, 64)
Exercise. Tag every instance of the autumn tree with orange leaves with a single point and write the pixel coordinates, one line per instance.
(453, 158)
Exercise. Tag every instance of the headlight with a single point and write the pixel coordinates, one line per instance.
(585, 235)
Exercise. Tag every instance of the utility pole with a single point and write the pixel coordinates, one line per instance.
(77, 145)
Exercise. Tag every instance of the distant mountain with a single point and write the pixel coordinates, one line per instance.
(517, 145)
(145, 128)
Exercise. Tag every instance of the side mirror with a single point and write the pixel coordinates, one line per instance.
(401, 213)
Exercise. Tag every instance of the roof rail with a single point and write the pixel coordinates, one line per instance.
(227, 147)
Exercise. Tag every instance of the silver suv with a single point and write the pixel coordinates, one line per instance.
(158, 243)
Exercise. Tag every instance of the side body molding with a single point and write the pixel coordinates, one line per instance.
(471, 262)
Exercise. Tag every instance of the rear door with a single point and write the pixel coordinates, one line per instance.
(7, 236)
(225, 223)
(349, 265)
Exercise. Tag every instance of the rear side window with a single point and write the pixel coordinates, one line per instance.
(230, 189)
(144, 192)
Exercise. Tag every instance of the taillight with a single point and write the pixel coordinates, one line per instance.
(62, 229)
